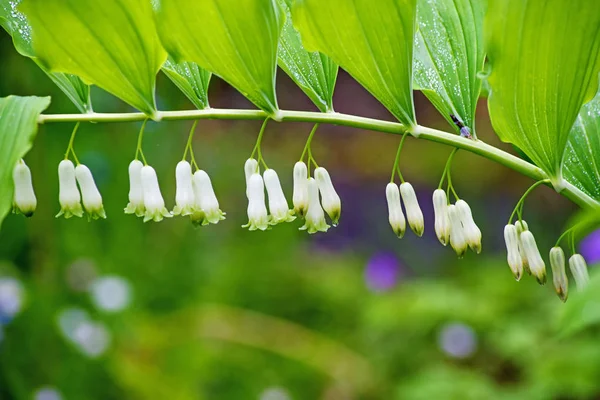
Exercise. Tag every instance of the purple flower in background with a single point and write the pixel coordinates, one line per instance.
(382, 272)
(590, 247)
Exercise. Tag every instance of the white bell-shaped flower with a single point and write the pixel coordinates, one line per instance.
(300, 197)
(250, 168)
(258, 217)
(395, 214)
(315, 217)
(414, 215)
(579, 270)
(522, 226)
(153, 200)
(559, 275)
(458, 241)
(442, 221)
(278, 205)
(206, 204)
(515, 262)
(184, 192)
(329, 198)
(24, 200)
(534, 258)
(471, 230)
(136, 191)
(92, 199)
(68, 194)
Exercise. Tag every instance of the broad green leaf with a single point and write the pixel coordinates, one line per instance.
(110, 43)
(449, 53)
(544, 60)
(582, 155)
(17, 26)
(18, 126)
(190, 79)
(234, 39)
(372, 41)
(314, 72)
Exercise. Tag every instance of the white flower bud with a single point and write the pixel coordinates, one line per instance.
(471, 230)
(92, 199)
(68, 194)
(559, 276)
(258, 218)
(300, 197)
(442, 221)
(315, 217)
(184, 192)
(534, 258)
(414, 215)
(278, 205)
(329, 198)
(153, 200)
(24, 200)
(250, 168)
(579, 270)
(136, 192)
(206, 209)
(522, 227)
(515, 262)
(396, 216)
(458, 241)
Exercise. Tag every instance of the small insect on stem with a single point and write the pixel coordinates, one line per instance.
(464, 130)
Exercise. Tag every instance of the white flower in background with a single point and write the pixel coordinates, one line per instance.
(414, 215)
(579, 270)
(92, 200)
(442, 221)
(522, 226)
(258, 218)
(534, 258)
(329, 198)
(559, 276)
(396, 216)
(278, 205)
(206, 204)
(250, 168)
(136, 191)
(515, 262)
(315, 217)
(153, 200)
(300, 197)
(68, 194)
(458, 241)
(471, 230)
(24, 200)
(184, 193)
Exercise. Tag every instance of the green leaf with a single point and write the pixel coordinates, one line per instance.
(582, 155)
(373, 42)
(544, 64)
(234, 39)
(190, 79)
(314, 72)
(449, 53)
(110, 43)
(17, 26)
(18, 126)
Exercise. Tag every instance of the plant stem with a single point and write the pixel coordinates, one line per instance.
(70, 146)
(397, 160)
(138, 150)
(258, 143)
(188, 146)
(447, 167)
(521, 201)
(308, 142)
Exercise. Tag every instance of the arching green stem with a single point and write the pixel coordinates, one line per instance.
(138, 151)
(521, 201)
(396, 167)
(70, 148)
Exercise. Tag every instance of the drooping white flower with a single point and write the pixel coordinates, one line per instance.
(442, 221)
(258, 218)
(396, 216)
(559, 276)
(414, 215)
(300, 196)
(206, 203)
(458, 241)
(184, 192)
(515, 262)
(136, 191)
(534, 258)
(278, 205)
(329, 198)
(250, 168)
(92, 199)
(68, 194)
(315, 217)
(471, 230)
(521, 226)
(24, 200)
(579, 270)
(153, 200)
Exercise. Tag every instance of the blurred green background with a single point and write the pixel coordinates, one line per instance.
(119, 309)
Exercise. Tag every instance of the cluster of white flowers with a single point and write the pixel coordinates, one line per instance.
(70, 198)
(414, 215)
